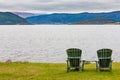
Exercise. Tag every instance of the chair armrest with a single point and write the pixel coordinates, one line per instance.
(96, 62)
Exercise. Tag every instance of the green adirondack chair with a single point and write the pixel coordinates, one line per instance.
(104, 59)
(74, 59)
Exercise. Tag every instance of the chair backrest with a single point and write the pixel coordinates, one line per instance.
(74, 56)
(104, 57)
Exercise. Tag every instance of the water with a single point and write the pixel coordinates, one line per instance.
(48, 43)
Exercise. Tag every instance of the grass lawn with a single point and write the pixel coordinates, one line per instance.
(57, 71)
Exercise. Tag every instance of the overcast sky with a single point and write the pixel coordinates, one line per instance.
(64, 6)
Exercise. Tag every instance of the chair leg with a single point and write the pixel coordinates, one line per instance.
(97, 66)
(110, 69)
(98, 69)
(82, 65)
(111, 66)
(68, 69)
(79, 69)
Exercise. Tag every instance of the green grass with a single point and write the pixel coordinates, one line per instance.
(50, 71)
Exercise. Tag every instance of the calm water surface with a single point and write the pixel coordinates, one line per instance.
(48, 43)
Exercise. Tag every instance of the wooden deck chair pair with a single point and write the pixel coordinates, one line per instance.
(74, 59)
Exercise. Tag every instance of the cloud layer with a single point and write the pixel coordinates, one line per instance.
(60, 5)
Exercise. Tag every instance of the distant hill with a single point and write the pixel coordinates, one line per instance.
(25, 14)
(65, 18)
(8, 18)
(97, 21)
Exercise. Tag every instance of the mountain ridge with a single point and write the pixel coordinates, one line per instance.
(67, 18)
(8, 18)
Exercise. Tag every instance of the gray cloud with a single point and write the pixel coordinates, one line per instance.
(60, 5)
